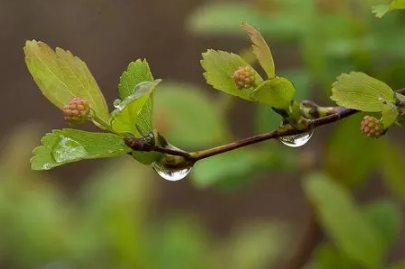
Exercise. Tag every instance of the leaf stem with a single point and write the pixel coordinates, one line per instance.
(339, 113)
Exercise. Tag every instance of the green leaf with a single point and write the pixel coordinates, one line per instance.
(344, 222)
(389, 114)
(327, 256)
(136, 73)
(62, 76)
(278, 93)
(344, 160)
(137, 110)
(70, 145)
(261, 50)
(219, 69)
(187, 117)
(359, 91)
(386, 217)
(301, 80)
(381, 10)
(391, 161)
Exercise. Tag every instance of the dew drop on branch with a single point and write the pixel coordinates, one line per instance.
(296, 141)
(169, 173)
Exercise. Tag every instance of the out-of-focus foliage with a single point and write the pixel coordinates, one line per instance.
(109, 223)
(330, 37)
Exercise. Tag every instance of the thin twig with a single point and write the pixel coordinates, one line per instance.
(285, 130)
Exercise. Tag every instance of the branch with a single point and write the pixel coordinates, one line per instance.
(310, 239)
(336, 114)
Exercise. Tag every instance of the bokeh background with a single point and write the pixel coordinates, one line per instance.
(246, 209)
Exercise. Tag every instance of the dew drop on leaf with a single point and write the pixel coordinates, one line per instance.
(117, 103)
(296, 141)
(68, 149)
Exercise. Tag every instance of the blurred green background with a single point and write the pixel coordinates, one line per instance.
(245, 209)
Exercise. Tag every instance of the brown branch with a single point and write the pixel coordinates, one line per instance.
(310, 239)
(285, 130)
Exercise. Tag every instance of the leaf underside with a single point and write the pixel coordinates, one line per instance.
(261, 50)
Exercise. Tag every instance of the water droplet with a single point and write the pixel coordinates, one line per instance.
(68, 150)
(295, 141)
(169, 173)
(117, 103)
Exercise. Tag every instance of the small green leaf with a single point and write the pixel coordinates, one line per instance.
(187, 117)
(137, 110)
(389, 114)
(344, 222)
(219, 69)
(386, 217)
(301, 79)
(70, 145)
(261, 50)
(359, 91)
(62, 76)
(278, 93)
(380, 10)
(134, 110)
(136, 73)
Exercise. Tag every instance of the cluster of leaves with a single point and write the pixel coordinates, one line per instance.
(332, 39)
(358, 235)
(109, 223)
(71, 78)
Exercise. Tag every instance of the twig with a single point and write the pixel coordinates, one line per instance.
(307, 244)
(285, 130)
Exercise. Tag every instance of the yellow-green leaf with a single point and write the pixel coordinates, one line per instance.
(136, 73)
(389, 114)
(359, 91)
(381, 10)
(137, 111)
(219, 69)
(261, 50)
(278, 93)
(61, 76)
(69, 145)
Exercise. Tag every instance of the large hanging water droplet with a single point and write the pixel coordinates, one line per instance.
(171, 173)
(296, 141)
